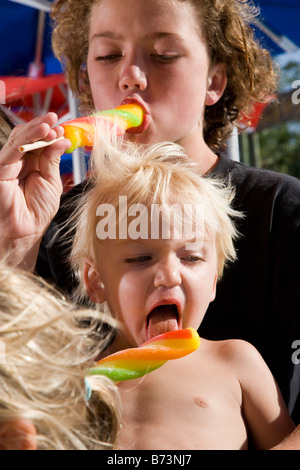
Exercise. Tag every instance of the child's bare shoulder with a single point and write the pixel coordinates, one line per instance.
(235, 351)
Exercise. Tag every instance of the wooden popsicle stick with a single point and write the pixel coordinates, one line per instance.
(37, 145)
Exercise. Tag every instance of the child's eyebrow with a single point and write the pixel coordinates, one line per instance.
(129, 242)
(149, 37)
(106, 34)
(163, 35)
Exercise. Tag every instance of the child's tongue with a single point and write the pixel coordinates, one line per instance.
(161, 320)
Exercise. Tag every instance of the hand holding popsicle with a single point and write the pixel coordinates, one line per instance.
(136, 362)
(30, 189)
(80, 132)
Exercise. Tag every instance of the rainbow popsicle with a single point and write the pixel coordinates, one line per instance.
(81, 131)
(136, 362)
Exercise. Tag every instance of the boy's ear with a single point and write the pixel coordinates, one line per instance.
(93, 283)
(19, 434)
(217, 82)
(213, 294)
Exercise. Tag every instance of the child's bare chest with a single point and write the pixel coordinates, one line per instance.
(182, 406)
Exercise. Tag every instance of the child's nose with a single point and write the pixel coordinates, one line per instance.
(167, 274)
(132, 77)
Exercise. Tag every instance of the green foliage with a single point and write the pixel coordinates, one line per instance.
(280, 144)
(280, 149)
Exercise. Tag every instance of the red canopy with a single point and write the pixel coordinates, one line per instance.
(28, 97)
(20, 87)
(25, 97)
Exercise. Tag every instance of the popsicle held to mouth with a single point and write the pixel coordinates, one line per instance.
(81, 131)
(136, 362)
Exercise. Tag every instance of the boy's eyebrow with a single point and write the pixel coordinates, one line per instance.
(162, 35)
(120, 242)
(152, 36)
(106, 34)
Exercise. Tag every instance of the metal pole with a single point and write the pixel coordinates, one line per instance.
(36, 68)
(233, 149)
(78, 160)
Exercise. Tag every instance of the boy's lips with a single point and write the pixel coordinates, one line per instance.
(146, 118)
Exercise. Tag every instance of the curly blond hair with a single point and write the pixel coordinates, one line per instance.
(225, 24)
(46, 348)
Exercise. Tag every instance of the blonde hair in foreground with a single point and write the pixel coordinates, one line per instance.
(47, 347)
(157, 175)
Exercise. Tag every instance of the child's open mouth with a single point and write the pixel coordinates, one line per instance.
(162, 319)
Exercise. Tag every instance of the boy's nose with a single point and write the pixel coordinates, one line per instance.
(133, 78)
(167, 274)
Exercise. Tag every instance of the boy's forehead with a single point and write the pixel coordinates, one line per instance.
(134, 221)
(149, 15)
(137, 241)
(192, 244)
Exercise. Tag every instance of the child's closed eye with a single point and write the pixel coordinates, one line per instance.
(193, 258)
(108, 57)
(138, 259)
(165, 58)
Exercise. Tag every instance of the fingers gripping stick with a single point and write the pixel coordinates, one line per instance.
(81, 131)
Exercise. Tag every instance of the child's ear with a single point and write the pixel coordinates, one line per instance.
(93, 283)
(213, 294)
(217, 82)
(19, 434)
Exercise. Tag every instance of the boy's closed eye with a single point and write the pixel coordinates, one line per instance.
(193, 258)
(108, 57)
(165, 58)
(160, 58)
(138, 259)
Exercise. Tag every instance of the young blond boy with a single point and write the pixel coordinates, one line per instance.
(159, 279)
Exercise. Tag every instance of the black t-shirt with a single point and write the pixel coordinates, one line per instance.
(258, 299)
